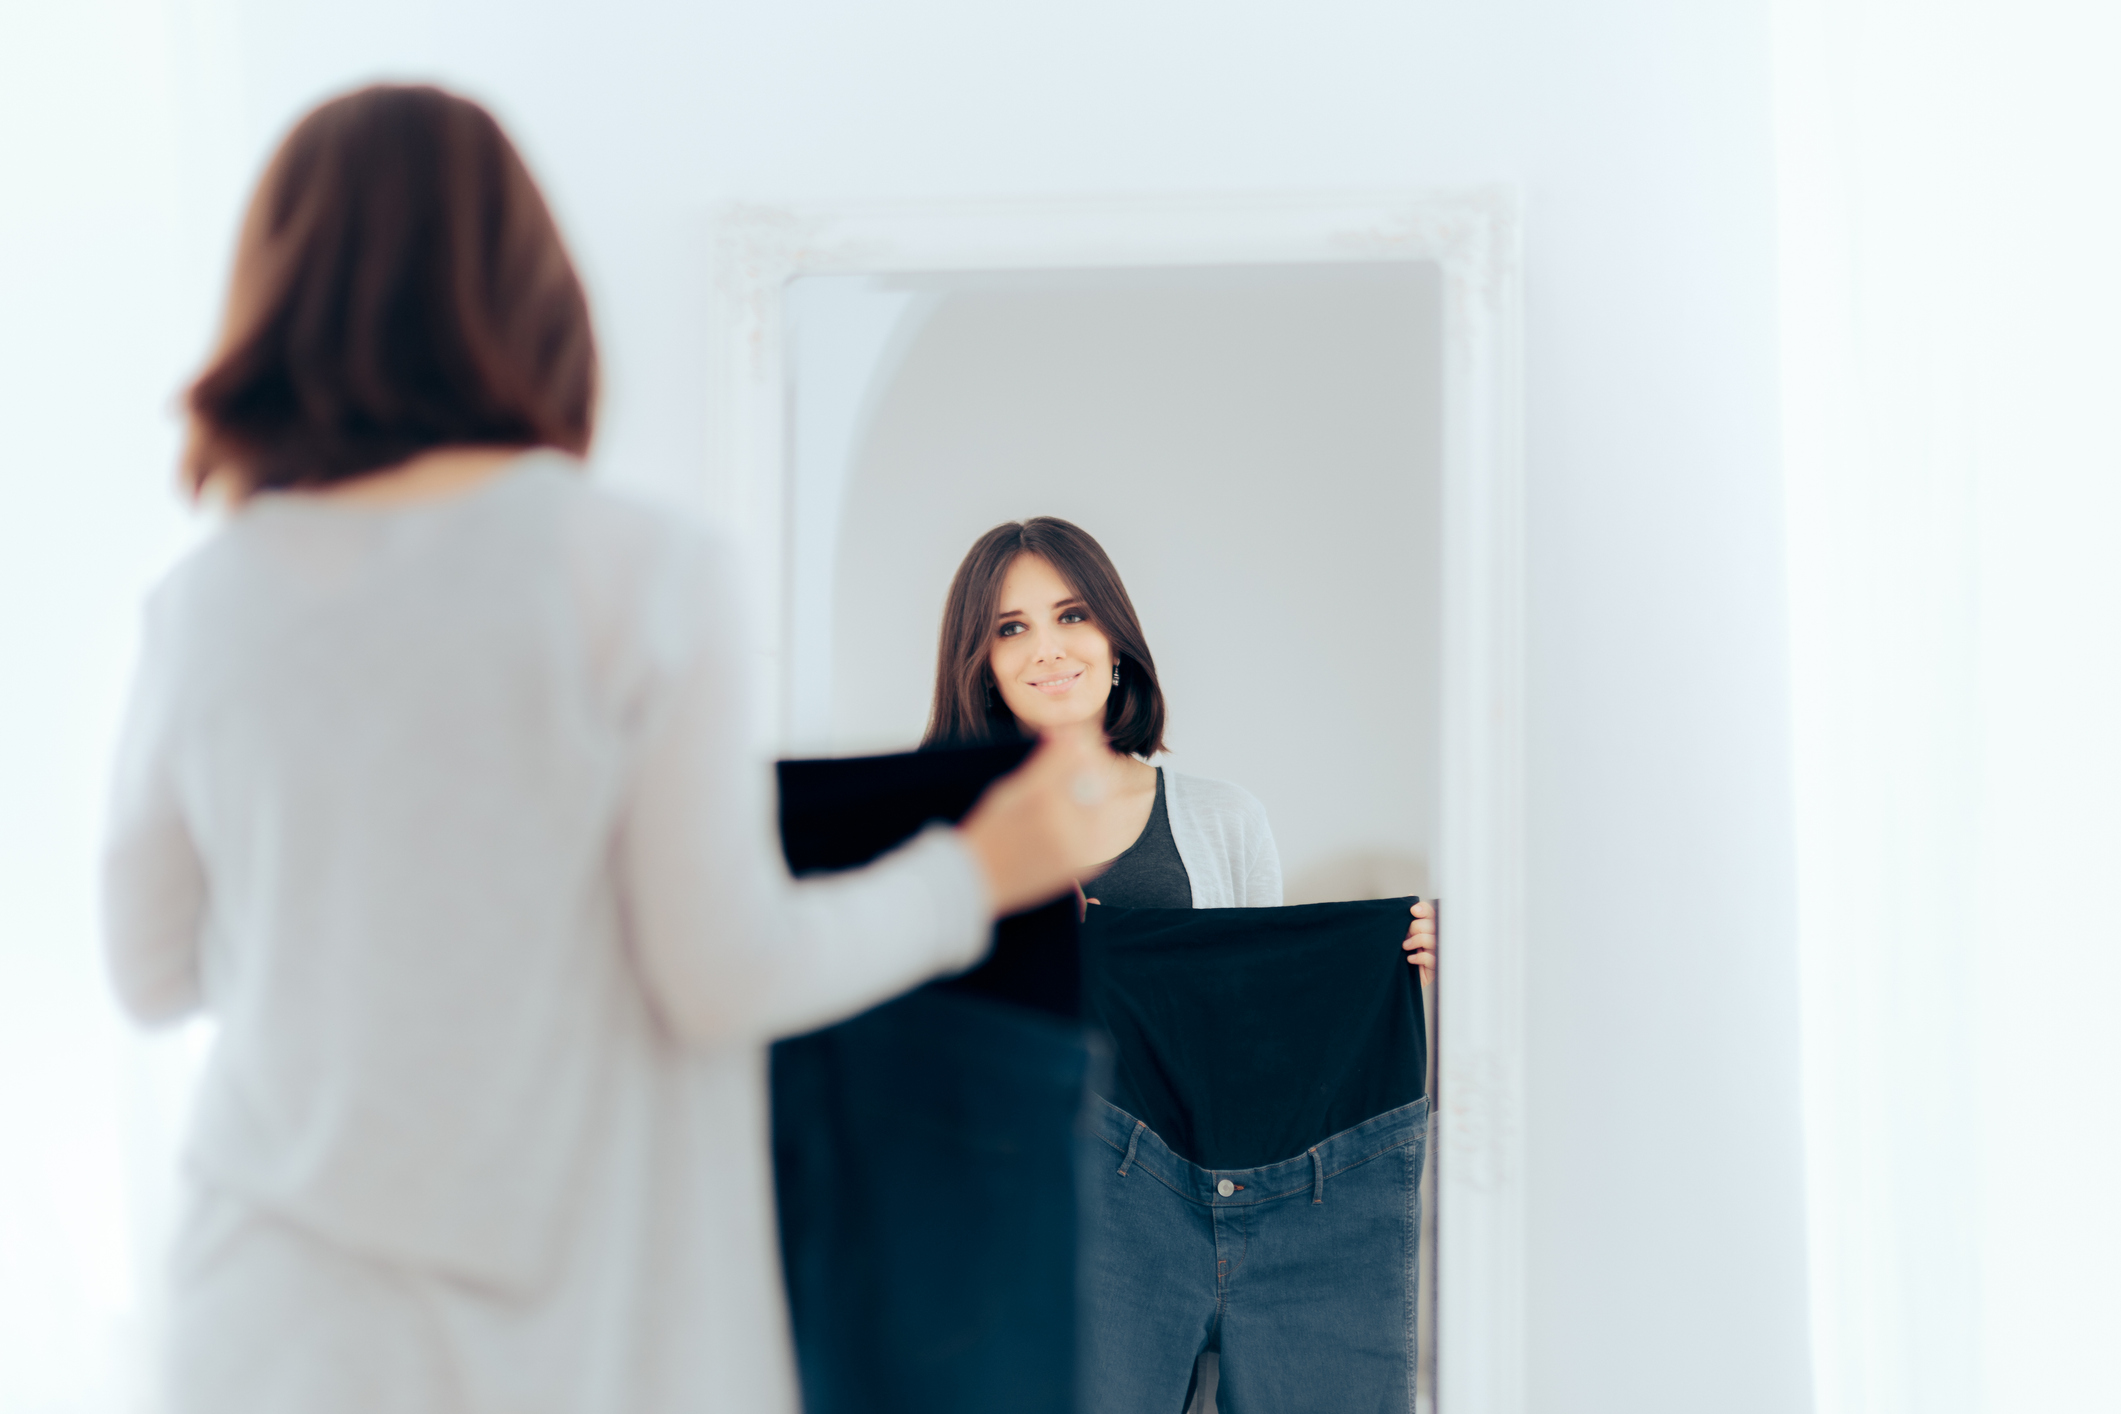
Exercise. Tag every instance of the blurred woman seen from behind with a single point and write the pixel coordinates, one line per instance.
(435, 794)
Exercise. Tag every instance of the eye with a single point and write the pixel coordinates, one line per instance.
(1011, 629)
(1075, 616)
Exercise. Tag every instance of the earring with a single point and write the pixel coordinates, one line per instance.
(1115, 675)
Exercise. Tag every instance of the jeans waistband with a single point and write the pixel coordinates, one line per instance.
(1141, 1151)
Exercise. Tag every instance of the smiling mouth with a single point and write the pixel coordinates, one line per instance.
(1055, 686)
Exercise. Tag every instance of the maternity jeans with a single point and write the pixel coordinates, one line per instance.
(1301, 1273)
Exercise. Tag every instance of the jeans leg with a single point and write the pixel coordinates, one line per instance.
(1319, 1318)
(1148, 1289)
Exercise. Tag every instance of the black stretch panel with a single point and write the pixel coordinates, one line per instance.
(837, 814)
(1243, 1036)
(925, 1151)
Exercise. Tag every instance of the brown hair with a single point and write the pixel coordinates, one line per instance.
(399, 285)
(968, 708)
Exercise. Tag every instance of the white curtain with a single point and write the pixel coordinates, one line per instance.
(1951, 266)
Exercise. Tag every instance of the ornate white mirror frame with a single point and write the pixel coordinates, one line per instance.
(1479, 862)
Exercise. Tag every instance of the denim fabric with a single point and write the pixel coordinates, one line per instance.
(927, 1153)
(1303, 1276)
(926, 1163)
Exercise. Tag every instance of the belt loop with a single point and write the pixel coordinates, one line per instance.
(1318, 1177)
(1133, 1140)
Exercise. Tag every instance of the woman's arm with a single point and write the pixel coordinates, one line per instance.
(731, 947)
(154, 885)
(1260, 886)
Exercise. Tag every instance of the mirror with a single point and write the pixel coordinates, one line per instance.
(1259, 450)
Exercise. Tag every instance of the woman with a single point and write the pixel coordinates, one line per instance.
(1038, 633)
(435, 794)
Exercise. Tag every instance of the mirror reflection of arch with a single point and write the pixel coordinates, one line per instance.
(1258, 449)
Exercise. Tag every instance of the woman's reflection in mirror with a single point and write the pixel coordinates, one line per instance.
(1039, 632)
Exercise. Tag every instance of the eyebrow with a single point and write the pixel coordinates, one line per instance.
(1058, 604)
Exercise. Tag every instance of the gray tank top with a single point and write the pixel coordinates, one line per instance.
(1148, 873)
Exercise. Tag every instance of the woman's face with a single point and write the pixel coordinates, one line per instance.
(1053, 665)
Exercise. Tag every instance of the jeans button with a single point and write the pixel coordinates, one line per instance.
(1226, 1188)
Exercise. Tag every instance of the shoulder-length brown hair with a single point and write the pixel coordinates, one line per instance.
(968, 708)
(399, 285)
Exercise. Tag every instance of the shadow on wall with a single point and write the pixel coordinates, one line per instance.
(1359, 875)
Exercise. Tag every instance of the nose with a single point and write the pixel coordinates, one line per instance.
(1050, 645)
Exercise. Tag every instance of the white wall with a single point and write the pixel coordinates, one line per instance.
(1666, 1264)
(1257, 449)
(95, 318)
(1949, 366)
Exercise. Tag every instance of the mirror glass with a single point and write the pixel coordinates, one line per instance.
(1257, 450)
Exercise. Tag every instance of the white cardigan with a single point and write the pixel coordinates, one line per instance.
(446, 813)
(1224, 841)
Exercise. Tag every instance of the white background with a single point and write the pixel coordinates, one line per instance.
(1954, 480)
(1936, 159)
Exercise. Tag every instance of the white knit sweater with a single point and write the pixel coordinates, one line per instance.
(1223, 838)
(445, 813)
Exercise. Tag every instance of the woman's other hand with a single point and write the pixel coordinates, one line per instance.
(1032, 824)
(1421, 941)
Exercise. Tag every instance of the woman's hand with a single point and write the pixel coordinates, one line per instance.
(1421, 941)
(1034, 823)
(1082, 903)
